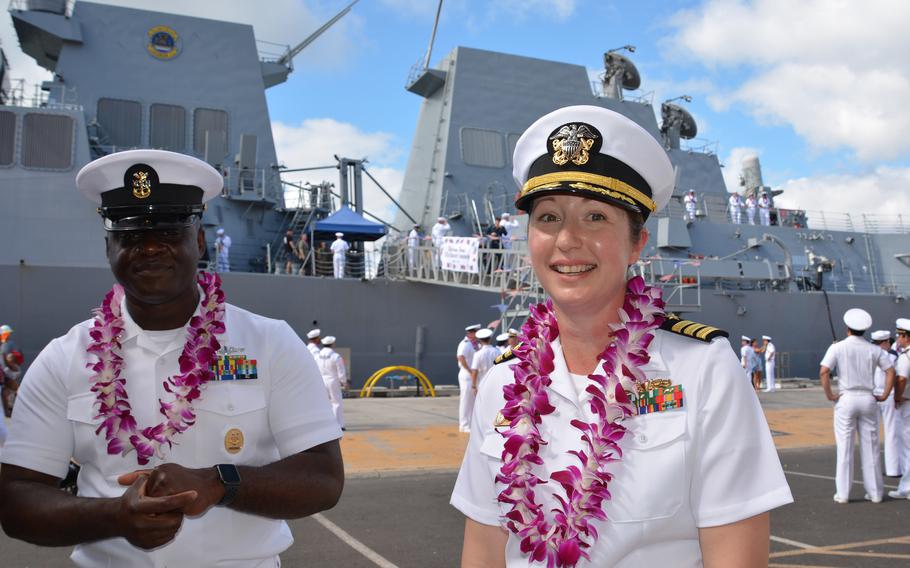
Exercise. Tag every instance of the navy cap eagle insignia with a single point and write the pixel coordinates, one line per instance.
(572, 143)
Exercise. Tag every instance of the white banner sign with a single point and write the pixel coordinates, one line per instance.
(459, 254)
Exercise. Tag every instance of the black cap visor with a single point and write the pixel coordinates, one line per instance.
(150, 218)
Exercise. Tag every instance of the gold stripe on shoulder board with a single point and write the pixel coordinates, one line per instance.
(507, 355)
(695, 330)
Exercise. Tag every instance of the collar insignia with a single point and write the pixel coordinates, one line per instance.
(142, 185)
(500, 421)
(572, 143)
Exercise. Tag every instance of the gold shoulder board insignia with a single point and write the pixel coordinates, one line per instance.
(693, 329)
(506, 356)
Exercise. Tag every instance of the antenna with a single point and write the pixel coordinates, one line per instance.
(676, 122)
(426, 61)
(288, 57)
(619, 73)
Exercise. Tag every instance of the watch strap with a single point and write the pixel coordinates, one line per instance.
(230, 479)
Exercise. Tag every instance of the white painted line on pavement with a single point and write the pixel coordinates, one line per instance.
(345, 537)
(789, 542)
(817, 476)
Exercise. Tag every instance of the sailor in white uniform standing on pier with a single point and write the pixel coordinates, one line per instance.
(891, 421)
(770, 353)
(465, 356)
(484, 358)
(314, 342)
(902, 373)
(855, 411)
(334, 375)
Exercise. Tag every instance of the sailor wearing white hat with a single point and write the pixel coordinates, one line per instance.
(167, 465)
(464, 355)
(510, 225)
(439, 231)
(890, 416)
(339, 249)
(413, 241)
(222, 251)
(770, 353)
(736, 208)
(513, 337)
(764, 208)
(748, 359)
(902, 372)
(484, 358)
(314, 342)
(855, 411)
(502, 342)
(588, 178)
(334, 375)
(690, 202)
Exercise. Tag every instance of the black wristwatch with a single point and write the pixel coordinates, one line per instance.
(230, 478)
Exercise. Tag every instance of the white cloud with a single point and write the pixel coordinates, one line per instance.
(835, 71)
(315, 142)
(882, 192)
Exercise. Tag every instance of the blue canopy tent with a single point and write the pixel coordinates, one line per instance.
(354, 227)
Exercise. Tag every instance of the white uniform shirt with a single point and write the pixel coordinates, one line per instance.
(413, 238)
(748, 358)
(331, 365)
(735, 203)
(750, 202)
(690, 201)
(879, 378)
(282, 412)
(439, 231)
(466, 350)
(903, 365)
(707, 464)
(314, 349)
(483, 360)
(339, 247)
(764, 202)
(855, 360)
(770, 350)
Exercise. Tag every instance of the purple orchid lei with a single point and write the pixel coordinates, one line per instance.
(563, 542)
(109, 386)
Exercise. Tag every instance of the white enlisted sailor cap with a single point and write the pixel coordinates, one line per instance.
(148, 189)
(768, 337)
(328, 340)
(592, 152)
(472, 327)
(857, 319)
(502, 337)
(313, 333)
(881, 335)
(485, 333)
(440, 219)
(902, 324)
(747, 338)
(219, 231)
(505, 215)
(339, 234)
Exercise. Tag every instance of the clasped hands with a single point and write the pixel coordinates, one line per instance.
(152, 508)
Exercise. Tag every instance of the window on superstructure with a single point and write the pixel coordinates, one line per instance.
(47, 141)
(210, 130)
(481, 147)
(7, 137)
(167, 127)
(120, 124)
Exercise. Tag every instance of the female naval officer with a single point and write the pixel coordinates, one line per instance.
(613, 435)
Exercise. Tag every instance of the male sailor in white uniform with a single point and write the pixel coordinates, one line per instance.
(855, 411)
(890, 418)
(439, 231)
(339, 249)
(465, 356)
(690, 201)
(314, 342)
(750, 209)
(901, 404)
(334, 375)
(770, 353)
(764, 208)
(484, 358)
(736, 209)
(413, 243)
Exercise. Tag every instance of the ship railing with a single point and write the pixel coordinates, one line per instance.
(700, 146)
(270, 51)
(365, 265)
(57, 96)
(246, 182)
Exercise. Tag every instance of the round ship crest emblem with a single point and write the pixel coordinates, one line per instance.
(163, 43)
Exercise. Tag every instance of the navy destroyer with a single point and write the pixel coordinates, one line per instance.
(790, 279)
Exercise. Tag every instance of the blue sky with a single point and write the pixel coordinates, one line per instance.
(816, 88)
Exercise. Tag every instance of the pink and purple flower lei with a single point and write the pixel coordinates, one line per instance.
(563, 542)
(109, 385)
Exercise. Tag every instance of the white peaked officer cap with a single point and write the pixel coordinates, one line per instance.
(881, 335)
(313, 333)
(485, 333)
(339, 234)
(902, 324)
(505, 215)
(592, 152)
(502, 337)
(768, 337)
(148, 189)
(440, 219)
(513, 332)
(328, 340)
(747, 338)
(472, 327)
(857, 319)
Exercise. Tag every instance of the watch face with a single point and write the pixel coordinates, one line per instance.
(229, 474)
